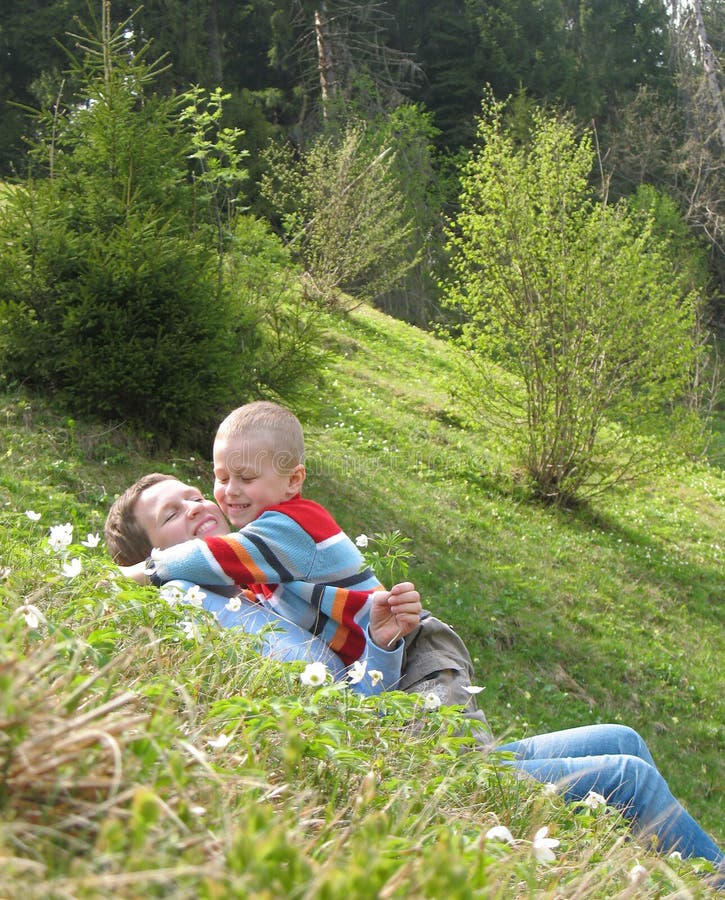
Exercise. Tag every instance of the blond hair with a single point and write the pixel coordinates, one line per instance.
(126, 540)
(275, 426)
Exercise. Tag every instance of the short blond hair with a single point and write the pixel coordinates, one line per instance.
(126, 540)
(271, 424)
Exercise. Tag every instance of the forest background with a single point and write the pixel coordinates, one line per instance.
(644, 74)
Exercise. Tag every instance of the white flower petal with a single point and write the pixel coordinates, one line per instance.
(191, 630)
(314, 674)
(431, 700)
(60, 536)
(93, 540)
(171, 594)
(194, 596)
(32, 615)
(543, 845)
(356, 672)
(220, 742)
(72, 568)
(376, 676)
(637, 873)
(472, 688)
(500, 833)
(594, 800)
(234, 604)
(32, 515)
(361, 541)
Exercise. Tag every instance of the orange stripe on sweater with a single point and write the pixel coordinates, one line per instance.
(340, 638)
(246, 560)
(337, 614)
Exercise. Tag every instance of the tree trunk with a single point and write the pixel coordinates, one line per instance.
(214, 43)
(710, 65)
(325, 64)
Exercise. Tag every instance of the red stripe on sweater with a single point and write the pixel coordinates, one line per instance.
(315, 519)
(224, 554)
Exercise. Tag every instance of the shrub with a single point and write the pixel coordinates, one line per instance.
(343, 214)
(265, 283)
(576, 300)
(111, 292)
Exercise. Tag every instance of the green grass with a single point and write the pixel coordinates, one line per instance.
(609, 613)
(614, 613)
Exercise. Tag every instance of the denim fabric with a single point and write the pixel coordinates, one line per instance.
(288, 642)
(614, 761)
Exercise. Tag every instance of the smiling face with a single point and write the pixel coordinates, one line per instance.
(171, 512)
(249, 476)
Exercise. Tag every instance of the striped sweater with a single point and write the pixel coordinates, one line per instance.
(295, 560)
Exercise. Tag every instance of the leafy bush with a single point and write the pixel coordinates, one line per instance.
(111, 291)
(265, 285)
(578, 301)
(343, 214)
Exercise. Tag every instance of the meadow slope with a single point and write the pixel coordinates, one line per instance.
(610, 613)
(613, 613)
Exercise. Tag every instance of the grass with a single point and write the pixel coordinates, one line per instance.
(111, 786)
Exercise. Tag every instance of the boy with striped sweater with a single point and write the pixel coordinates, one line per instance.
(293, 558)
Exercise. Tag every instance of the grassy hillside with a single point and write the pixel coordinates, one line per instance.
(612, 613)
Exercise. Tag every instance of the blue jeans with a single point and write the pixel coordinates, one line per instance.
(614, 761)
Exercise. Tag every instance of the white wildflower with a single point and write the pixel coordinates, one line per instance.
(361, 541)
(220, 742)
(194, 596)
(376, 676)
(32, 615)
(60, 536)
(234, 604)
(500, 833)
(594, 800)
(197, 810)
(543, 846)
(72, 568)
(92, 540)
(171, 594)
(314, 674)
(472, 688)
(356, 672)
(32, 515)
(675, 855)
(637, 873)
(191, 630)
(431, 700)
(5, 572)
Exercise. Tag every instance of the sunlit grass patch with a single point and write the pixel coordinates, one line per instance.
(181, 763)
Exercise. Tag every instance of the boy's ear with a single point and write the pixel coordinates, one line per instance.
(296, 479)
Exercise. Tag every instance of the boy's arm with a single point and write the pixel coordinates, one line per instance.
(381, 668)
(271, 550)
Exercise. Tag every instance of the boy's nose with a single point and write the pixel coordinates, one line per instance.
(234, 487)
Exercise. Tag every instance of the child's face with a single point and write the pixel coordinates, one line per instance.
(248, 477)
(171, 512)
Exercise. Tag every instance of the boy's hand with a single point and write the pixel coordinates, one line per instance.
(394, 614)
